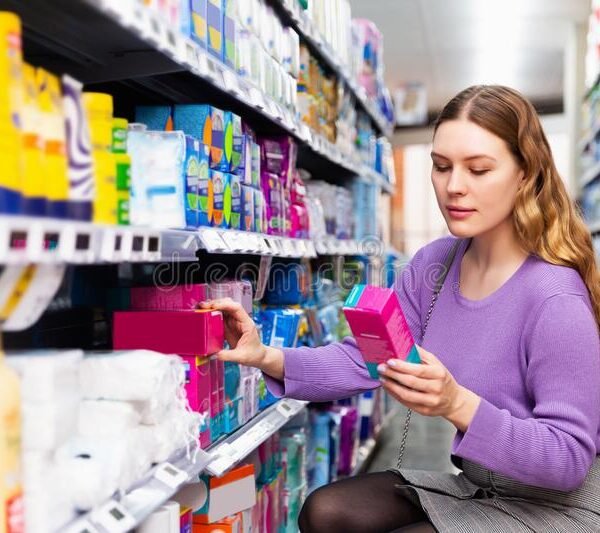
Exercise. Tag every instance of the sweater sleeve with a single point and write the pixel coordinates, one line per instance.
(338, 370)
(554, 448)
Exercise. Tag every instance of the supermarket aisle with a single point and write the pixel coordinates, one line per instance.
(427, 448)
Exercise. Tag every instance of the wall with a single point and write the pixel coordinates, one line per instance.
(422, 220)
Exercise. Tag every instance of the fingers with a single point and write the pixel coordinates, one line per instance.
(425, 371)
(233, 356)
(408, 397)
(410, 381)
(228, 306)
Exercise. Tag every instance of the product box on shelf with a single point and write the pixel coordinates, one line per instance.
(167, 298)
(376, 319)
(229, 32)
(236, 202)
(198, 27)
(221, 186)
(233, 412)
(213, 499)
(217, 400)
(198, 332)
(214, 18)
(247, 208)
(210, 125)
(156, 117)
(231, 524)
(205, 188)
(191, 169)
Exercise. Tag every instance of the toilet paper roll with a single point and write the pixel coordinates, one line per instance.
(138, 375)
(46, 375)
(106, 418)
(45, 427)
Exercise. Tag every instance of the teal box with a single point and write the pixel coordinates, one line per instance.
(236, 201)
(191, 180)
(205, 189)
(229, 29)
(207, 123)
(233, 401)
(156, 117)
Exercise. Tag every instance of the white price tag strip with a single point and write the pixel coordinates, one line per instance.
(212, 241)
(114, 518)
(285, 409)
(310, 248)
(170, 475)
(232, 83)
(257, 99)
(231, 241)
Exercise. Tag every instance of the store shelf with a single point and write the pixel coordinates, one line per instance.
(124, 512)
(230, 451)
(590, 174)
(296, 18)
(594, 227)
(145, 55)
(369, 447)
(588, 138)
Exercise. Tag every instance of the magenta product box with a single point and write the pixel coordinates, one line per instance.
(217, 403)
(197, 383)
(379, 326)
(198, 332)
(204, 398)
(169, 298)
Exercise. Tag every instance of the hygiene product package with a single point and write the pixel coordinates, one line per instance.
(167, 298)
(378, 324)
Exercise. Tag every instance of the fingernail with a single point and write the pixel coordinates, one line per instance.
(392, 362)
(381, 368)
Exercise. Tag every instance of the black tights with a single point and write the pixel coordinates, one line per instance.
(368, 503)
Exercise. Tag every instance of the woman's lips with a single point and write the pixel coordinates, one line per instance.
(460, 213)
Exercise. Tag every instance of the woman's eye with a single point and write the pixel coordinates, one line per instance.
(440, 168)
(479, 171)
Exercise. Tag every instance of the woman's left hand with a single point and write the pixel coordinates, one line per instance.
(429, 389)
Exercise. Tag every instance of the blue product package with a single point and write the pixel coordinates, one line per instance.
(233, 399)
(247, 208)
(205, 191)
(229, 9)
(156, 117)
(280, 327)
(318, 450)
(214, 19)
(288, 284)
(198, 28)
(238, 144)
(221, 215)
(236, 202)
(335, 436)
(265, 397)
(191, 177)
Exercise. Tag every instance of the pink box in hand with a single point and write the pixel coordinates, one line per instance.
(172, 298)
(198, 332)
(378, 324)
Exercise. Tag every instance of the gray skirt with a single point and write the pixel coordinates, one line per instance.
(480, 501)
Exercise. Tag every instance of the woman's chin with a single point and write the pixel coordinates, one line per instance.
(460, 230)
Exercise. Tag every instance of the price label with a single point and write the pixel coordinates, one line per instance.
(275, 245)
(114, 518)
(321, 247)
(212, 241)
(170, 475)
(213, 71)
(301, 246)
(288, 247)
(267, 246)
(231, 241)
(310, 248)
(202, 63)
(152, 251)
(285, 409)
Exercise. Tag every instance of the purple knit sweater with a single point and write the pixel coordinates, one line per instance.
(530, 350)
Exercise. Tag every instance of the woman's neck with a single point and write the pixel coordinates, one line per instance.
(497, 248)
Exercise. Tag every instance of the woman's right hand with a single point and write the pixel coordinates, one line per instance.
(242, 336)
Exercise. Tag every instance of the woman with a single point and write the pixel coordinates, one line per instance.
(515, 335)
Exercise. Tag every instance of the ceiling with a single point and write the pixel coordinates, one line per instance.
(451, 44)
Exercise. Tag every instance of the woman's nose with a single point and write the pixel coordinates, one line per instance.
(457, 183)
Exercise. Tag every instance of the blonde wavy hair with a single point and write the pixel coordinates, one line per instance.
(545, 219)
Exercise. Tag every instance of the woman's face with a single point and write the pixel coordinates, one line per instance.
(475, 177)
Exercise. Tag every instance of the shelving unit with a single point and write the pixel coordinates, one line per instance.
(298, 20)
(49, 241)
(590, 174)
(147, 57)
(367, 450)
(125, 512)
